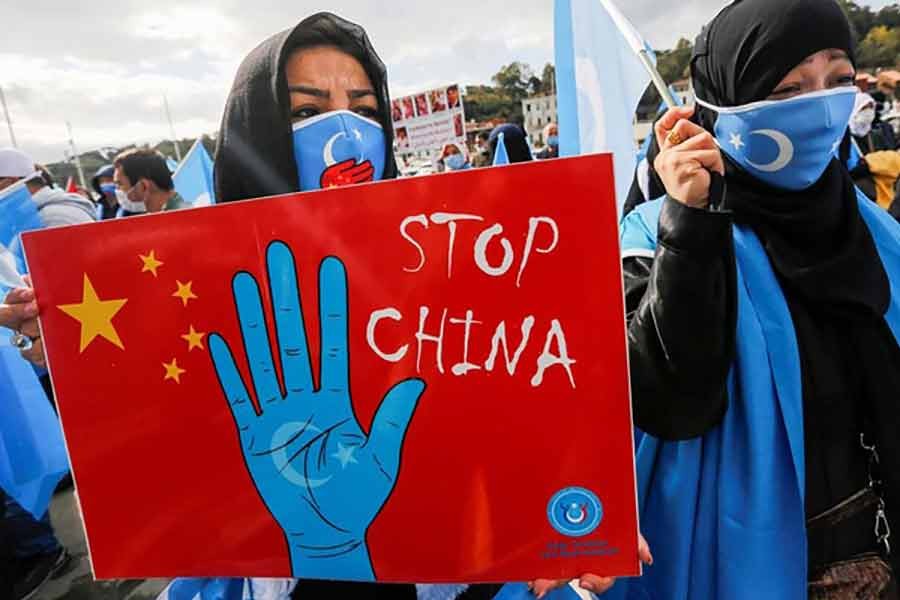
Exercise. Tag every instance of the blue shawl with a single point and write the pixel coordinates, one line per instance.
(724, 514)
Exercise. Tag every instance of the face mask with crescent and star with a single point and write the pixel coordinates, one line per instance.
(338, 148)
(786, 143)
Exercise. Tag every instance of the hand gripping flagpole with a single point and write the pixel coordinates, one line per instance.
(642, 49)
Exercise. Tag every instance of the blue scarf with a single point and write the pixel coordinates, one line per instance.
(724, 514)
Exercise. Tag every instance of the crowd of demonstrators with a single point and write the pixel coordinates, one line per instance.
(762, 327)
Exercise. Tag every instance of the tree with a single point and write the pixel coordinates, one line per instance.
(513, 80)
(861, 17)
(484, 103)
(880, 47)
(674, 64)
(548, 79)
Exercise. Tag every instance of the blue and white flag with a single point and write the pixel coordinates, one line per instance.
(172, 164)
(520, 591)
(228, 589)
(600, 80)
(18, 213)
(501, 156)
(194, 177)
(32, 453)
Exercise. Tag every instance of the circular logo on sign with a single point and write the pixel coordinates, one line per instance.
(575, 511)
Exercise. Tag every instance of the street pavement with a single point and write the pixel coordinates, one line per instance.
(76, 582)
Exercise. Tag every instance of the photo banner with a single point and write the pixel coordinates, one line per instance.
(414, 380)
(426, 121)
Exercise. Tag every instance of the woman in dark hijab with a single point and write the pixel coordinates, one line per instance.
(309, 109)
(516, 144)
(763, 327)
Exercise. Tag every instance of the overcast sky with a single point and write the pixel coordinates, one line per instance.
(104, 65)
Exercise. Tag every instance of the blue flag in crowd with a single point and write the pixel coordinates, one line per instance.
(501, 156)
(194, 177)
(18, 213)
(600, 80)
(172, 164)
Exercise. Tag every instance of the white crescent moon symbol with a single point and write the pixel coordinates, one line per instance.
(785, 151)
(328, 152)
(282, 460)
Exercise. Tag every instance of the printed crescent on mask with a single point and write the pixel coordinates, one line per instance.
(785, 151)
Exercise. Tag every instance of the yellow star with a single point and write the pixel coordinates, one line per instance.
(185, 292)
(151, 264)
(173, 371)
(95, 316)
(194, 339)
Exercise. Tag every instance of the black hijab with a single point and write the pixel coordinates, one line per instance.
(815, 238)
(255, 152)
(516, 145)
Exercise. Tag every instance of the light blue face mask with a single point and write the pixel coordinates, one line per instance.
(108, 188)
(338, 148)
(553, 140)
(455, 162)
(785, 143)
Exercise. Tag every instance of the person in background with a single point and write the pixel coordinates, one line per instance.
(551, 141)
(143, 180)
(454, 157)
(516, 143)
(56, 207)
(105, 188)
(482, 154)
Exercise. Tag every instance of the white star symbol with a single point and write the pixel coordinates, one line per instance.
(736, 141)
(345, 455)
(357, 134)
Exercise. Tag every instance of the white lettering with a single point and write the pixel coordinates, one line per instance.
(533, 224)
(406, 222)
(465, 366)
(450, 219)
(547, 359)
(378, 315)
(481, 252)
(422, 337)
(500, 339)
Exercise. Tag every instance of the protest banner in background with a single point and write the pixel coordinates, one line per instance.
(413, 380)
(427, 121)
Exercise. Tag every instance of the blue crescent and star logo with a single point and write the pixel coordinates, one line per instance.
(575, 512)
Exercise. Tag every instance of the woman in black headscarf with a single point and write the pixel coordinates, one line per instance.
(763, 331)
(294, 96)
(515, 141)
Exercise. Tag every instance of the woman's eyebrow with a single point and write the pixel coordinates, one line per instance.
(357, 94)
(309, 91)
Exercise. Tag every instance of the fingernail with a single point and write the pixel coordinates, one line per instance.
(31, 309)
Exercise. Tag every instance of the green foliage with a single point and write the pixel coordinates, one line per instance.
(515, 80)
(675, 64)
(878, 34)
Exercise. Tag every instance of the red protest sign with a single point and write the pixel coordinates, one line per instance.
(417, 380)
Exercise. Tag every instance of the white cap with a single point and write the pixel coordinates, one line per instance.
(15, 163)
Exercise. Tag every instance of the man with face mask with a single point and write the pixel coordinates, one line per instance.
(144, 183)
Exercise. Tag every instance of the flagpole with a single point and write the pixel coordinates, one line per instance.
(12, 135)
(172, 128)
(658, 82)
(76, 157)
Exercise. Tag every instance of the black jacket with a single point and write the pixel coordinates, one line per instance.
(255, 151)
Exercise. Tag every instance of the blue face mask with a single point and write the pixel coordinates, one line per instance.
(786, 143)
(553, 140)
(338, 148)
(455, 162)
(108, 188)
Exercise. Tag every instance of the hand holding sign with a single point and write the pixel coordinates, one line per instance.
(322, 478)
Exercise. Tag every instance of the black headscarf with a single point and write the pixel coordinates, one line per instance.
(815, 238)
(516, 145)
(255, 152)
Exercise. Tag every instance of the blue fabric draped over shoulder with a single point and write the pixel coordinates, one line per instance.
(724, 514)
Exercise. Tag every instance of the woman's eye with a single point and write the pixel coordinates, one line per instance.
(846, 80)
(787, 90)
(366, 111)
(304, 112)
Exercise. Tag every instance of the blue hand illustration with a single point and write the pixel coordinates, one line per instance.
(322, 478)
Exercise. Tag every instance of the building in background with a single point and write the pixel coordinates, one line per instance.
(538, 112)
